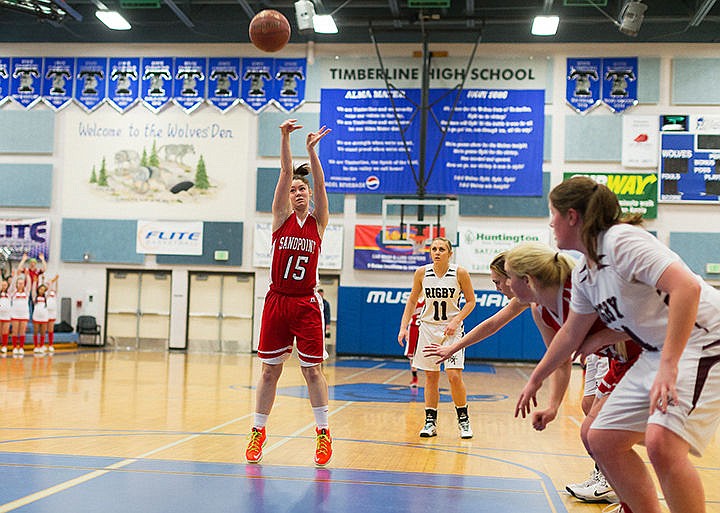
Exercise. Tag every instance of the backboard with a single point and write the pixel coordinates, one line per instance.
(413, 221)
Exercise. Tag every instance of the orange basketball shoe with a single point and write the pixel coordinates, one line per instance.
(323, 451)
(256, 441)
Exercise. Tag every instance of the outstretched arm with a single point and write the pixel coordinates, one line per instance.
(281, 207)
(560, 379)
(485, 329)
(563, 345)
(321, 212)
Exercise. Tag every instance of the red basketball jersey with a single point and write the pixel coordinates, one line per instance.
(295, 253)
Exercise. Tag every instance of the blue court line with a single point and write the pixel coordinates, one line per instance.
(160, 486)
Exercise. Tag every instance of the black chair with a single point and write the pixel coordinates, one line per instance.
(88, 329)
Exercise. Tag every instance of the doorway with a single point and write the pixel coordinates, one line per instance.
(220, 312)
(138, 309)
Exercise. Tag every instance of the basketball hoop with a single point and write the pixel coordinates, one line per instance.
(411, 221)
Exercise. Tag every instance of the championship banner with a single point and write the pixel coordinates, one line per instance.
(26, 81)
(123, 86)
(289, 83)
(4, 79)
(156, 82)
(190, 82)
(91, 82)
(25, 236)
(59, 78)
(619, 90)
(640, 141)
(636, 192)
(479, 246)
(371, 254)
(330, 253)
(583, 87)
(169, 237)
(257, 82)
(224, 82)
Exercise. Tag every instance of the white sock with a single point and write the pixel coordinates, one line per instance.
(260, 420)
(321, 416)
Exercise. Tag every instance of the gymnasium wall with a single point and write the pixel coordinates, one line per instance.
(45, 164)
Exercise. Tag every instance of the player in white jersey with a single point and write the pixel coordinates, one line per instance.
(40, 317)
(19, 311)
(5, 315)
(670, 399)
(52, 314)
(441, 321)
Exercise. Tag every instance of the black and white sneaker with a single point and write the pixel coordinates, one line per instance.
(429, 429)
(464, 427)
(594, 490)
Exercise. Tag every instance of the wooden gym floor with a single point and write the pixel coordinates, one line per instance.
(153, 432)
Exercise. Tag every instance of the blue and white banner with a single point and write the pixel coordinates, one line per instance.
(493, 144)
(4, 79)
(26, 81)
(170, 237)
(620, 76)
(583, 88)
(26, 236)
(190, 82)
(257, 82)
(58, 81)
(124, 83)
(156, 82)
(289, 83)
(224, 82)
(91, 81)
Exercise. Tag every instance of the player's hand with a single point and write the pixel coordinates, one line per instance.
(443, 352)
(314, 137)
(289, 126)
(663, 392)
(541, 418)
(527, 400)
(402, 336)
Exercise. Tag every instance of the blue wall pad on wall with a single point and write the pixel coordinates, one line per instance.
(694, 81)
(269, 133)
(27, 132)
(26, 185)
(697, 249)
(593, 138)
(102, 240)
(216, 237)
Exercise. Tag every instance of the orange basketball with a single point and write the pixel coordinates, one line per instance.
(269, 30)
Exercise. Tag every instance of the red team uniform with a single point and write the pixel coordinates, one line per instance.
(618, 363)
(293, 310)
(414, 330)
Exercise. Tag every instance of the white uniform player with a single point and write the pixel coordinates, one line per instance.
(621, 289)
(441, 284)
(442, 303)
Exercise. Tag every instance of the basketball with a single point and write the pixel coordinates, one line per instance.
(269, 30)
